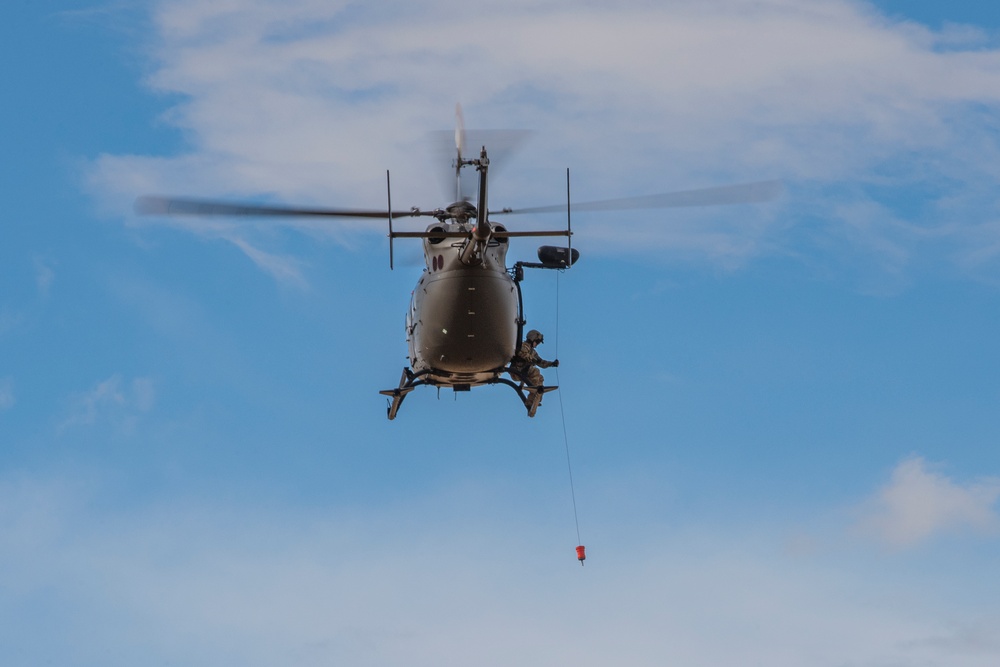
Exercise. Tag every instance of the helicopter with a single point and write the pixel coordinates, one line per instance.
(465, 320)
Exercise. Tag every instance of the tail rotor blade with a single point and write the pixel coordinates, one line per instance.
(459, 148)
(459, 130)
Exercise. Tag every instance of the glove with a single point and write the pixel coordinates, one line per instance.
(555, 364)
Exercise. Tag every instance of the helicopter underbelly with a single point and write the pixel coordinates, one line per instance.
(463, 322)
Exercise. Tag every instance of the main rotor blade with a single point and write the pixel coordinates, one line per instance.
(152, 205)
(743, 193)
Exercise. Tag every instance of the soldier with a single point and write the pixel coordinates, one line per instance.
(525, 361)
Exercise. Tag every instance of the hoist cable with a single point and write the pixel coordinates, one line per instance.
(562, 413)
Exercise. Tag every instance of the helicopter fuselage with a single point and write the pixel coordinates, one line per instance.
(462, 324)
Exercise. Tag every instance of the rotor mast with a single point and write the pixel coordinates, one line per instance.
(472, 253)
(482, 166)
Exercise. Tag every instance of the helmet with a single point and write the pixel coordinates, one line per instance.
(534, 335)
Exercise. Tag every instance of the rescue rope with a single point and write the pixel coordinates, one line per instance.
(562, 414)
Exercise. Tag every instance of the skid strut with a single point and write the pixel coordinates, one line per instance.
(407, 383)
(530, 395)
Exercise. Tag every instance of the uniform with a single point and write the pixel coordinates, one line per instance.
(525, 362)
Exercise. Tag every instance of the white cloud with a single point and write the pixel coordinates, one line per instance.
(203, 584)
(112, 401)
(311, 101)
(920, 503)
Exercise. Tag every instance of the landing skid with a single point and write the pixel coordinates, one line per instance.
(531, 396)
(407, 383)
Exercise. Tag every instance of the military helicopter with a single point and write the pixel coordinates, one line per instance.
(466, 318)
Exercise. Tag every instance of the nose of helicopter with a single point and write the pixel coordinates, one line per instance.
(468, 322)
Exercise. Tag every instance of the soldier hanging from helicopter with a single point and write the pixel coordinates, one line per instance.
(525, 364)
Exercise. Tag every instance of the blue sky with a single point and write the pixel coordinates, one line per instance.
(782, 417)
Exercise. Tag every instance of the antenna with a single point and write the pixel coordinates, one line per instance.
(569, 225)
(388, 195)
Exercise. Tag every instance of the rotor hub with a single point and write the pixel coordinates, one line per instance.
(461, 212)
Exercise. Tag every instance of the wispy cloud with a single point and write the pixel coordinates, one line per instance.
(6, 393)
(9, 320)
(113, 401)
(284, 269)
(45, 275)
(920, 503)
